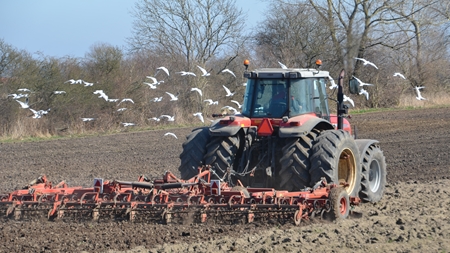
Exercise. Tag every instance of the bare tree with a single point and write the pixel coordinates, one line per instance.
(196, 29)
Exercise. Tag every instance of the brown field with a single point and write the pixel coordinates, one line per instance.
(413, 215)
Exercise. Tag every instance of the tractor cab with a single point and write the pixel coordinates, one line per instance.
(276, 93)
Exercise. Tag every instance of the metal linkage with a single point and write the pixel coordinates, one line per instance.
(172, 200)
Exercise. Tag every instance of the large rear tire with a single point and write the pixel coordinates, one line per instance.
(194, 148)
(221, 153)
(295, 164)
(335, 156)
(373, 181)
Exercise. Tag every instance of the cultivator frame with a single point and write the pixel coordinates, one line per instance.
(172, 200)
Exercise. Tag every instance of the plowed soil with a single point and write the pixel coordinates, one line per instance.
(413, 215)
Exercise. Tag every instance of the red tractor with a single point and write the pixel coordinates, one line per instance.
(285, 138)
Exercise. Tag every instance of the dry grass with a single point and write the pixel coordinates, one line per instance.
(432, 100)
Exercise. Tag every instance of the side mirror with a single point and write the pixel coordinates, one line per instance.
(354, 86)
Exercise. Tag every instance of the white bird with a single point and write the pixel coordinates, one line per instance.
(365, 62)
(211, 102)
(185, 73)
(24, 105)
(365, 93)
(361, 83)
(244, 84)
(204, 72)
(17, 96)
(128, 124)
(113, 100)
(228, 71)
(169, 118)
(24, 90)
(237, 103)
(121, 109)
(71, 81)
(347, 99)
(333, 84)
(101, 94)
(197, 90)
(39, 114)
(157, 99)
(87, 119)
(230, 109)
(155, 81)
(155, 119)
(172, 97)
(400, 75)
(163, 69)
(126, 100)
(150, 85)
(86, 84)
(59, 92)
(282, 65)
(199, 115)
(419, 95)
(171, 134)
(229, 94)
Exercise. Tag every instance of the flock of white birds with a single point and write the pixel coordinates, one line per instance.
(155, 83)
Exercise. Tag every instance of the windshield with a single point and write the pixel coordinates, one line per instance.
(275, 98)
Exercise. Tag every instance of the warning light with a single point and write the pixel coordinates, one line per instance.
(265, 128)
(318, 63)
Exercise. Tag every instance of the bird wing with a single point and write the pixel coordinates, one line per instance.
(204, 72)
(153, 79)
(229, 71)
(236, 102)
(171, 95)
(282, 65)
(226, 89)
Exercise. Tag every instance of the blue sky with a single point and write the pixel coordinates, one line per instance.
(70, 27)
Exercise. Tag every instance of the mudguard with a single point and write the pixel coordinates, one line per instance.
(364, 144)
(287, 130)
(217, 129)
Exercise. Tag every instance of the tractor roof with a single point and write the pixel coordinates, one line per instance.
(286, 73)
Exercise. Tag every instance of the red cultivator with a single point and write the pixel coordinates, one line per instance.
(172, 200)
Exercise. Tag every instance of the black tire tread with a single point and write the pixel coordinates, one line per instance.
(194, 148)
(373, 152)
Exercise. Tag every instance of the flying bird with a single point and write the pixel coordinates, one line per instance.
(172, 97)
(121, 109)
(211, 102)
(125, 124)
(168, 117)
(365, 62)
(199, 115)
(347, 99)
(282, 65)
(39, 114)
(87, 119)
(228, 71)
(163, 69)
(17, 96)
(151, 85)
(361, 83)
(113, 100)
(155, 119)
(86, 84)
(171, 134)
(237, 103)
(101, 94)
(419, 95)
(197, 90)
(229, 108)
(126, 100)
(157, 99)
(24, 90)
(365, 93)
(204, 72)
(24, 105)
(59, 92)
(155, 81)
(185, 73)
(333, 84)
(229, 94)
(400, 75)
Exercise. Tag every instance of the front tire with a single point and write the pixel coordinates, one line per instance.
(374, 172)
(335, 156)
(194, 148)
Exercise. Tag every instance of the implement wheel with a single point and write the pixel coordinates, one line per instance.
(220, 154)
(194, 148)
(373, 180)
(339, 203)
(335, 156)
(295, 165)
